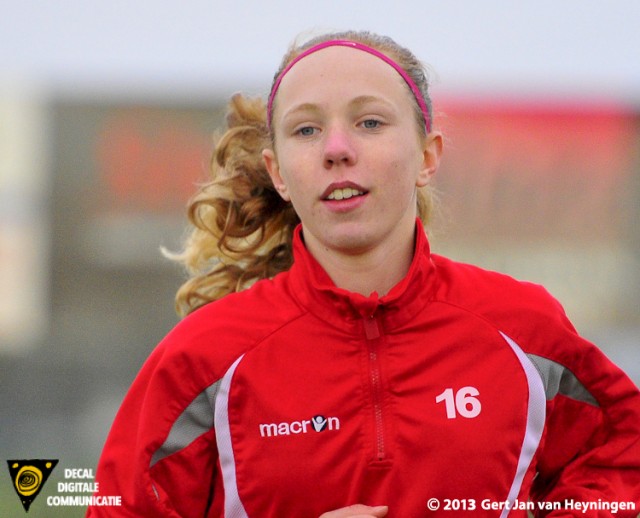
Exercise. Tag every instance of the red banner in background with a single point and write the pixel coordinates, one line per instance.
(149, 160)
(536, 170)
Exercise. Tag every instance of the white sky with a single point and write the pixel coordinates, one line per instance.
(198, 48)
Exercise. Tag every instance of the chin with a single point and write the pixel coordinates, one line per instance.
(350, 242)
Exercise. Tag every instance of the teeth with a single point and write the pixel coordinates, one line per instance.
(344, 194)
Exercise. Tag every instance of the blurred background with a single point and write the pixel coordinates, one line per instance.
(107, 111)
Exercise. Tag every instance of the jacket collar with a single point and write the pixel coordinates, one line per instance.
(312, 287)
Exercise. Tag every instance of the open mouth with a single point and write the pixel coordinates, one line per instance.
(344, 193)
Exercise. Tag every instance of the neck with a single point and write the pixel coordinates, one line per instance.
(375, 270)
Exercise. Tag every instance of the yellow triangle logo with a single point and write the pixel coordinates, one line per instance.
(29, 476)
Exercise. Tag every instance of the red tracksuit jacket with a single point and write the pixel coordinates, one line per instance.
(295, 397)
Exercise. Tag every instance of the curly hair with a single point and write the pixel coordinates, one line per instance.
(242, 229)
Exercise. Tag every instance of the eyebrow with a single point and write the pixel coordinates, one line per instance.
(303, 107)
(368, 99)
(357, 102)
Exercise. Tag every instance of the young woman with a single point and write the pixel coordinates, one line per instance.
(329, 364)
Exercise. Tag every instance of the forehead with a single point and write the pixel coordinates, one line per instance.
(341, 69)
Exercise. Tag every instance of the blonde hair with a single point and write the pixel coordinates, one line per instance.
(242, 229)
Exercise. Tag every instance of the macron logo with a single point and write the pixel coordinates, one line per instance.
(318, 423)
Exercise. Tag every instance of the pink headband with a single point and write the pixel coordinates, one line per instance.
(355, 45)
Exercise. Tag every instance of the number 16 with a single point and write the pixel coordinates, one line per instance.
(465, 402)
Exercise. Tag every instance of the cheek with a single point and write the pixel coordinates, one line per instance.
(402, 173)
(300, 172)
(292, 166)
(400, 183)
(297, 189)
(292, 182)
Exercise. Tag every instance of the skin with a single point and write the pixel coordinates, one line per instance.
(344, 118)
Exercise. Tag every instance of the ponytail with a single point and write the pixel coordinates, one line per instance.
(242, 227)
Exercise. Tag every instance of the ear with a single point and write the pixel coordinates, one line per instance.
(273, 168)
(431, 153)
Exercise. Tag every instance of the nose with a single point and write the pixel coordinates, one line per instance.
(338, 148)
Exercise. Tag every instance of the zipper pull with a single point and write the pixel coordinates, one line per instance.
(371, 328)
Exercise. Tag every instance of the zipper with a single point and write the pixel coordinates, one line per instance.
(372, 332)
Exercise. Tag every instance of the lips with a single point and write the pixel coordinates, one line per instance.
(343, 191)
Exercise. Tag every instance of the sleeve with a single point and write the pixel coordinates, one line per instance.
(160, 455)
(589, 460)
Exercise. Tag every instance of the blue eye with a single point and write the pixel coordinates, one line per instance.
(306, 131)
(371, 124)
